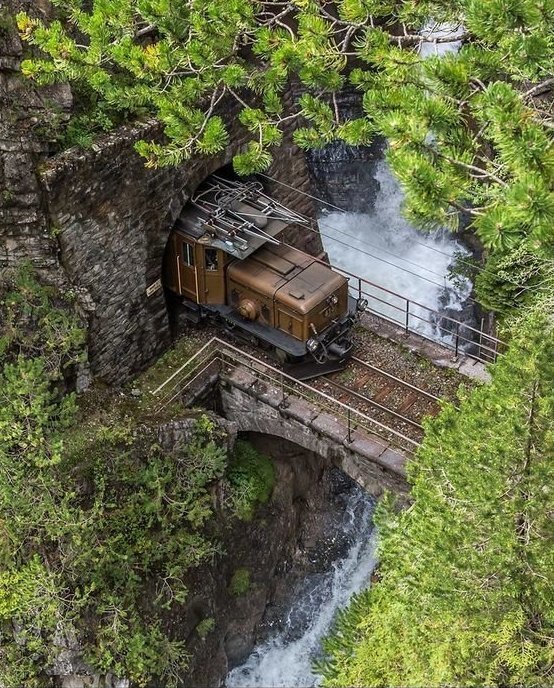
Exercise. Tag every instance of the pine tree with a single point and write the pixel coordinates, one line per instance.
(466, 592)
(469, 133)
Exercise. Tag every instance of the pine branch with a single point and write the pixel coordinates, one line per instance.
(539, 89)
(473, 168)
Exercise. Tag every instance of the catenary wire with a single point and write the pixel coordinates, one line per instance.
(309, 221)
(342, 210)
(432, 248)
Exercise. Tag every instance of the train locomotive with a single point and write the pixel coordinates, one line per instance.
(224, 259)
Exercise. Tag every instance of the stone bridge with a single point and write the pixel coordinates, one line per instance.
(257, 397)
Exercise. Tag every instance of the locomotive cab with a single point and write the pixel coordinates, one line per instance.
(195, 270)
(223, 258)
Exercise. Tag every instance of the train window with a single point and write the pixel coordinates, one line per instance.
(210, 258)
(188, 254)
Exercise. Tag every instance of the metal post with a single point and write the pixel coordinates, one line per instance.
(407, 316)
(457, 340)
(480, 354)
(359, 288)
(283, 403)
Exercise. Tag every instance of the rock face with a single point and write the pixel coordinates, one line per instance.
(295, 534)
(344, 175)
(288, 539)
(25, 112)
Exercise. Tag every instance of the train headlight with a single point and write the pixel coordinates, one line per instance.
(333, 300)
(361, 305)
(312, 345)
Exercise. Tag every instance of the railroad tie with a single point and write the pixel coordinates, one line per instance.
(408, 402)
(383, 393)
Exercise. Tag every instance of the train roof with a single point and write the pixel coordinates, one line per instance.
(236, 217)
(295, 278)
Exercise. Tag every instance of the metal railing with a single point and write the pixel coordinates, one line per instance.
(218, 358)
(408, 313)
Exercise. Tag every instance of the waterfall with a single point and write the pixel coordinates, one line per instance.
(376, 243)
(382, 247)
(286, 658)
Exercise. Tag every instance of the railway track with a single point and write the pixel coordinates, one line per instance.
(396, 403)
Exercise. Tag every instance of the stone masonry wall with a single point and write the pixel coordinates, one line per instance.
(24, 112)
(98, 220)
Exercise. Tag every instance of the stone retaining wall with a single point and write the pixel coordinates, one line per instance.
(112, 216)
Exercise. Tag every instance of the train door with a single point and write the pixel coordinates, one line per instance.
(187, 272)
(213, 275)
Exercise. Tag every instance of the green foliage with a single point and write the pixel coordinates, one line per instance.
(469, 134)
(119, 516)
(251, 477)
(36, 320)
(513, 278)
(465, 595)
(240, 582)
(99, 525)
(205, 626)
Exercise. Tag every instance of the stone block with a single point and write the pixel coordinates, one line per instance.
(393, 460)
(367, 446)
(270, 395)
(241, 378)
(330, 427)
(299, 410)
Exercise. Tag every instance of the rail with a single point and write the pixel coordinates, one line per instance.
(217, 358)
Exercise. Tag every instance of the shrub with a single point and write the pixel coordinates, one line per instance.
(251, 477)
(240, 582)
(205, 626)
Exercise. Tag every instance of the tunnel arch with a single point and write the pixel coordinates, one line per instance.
(113, 216)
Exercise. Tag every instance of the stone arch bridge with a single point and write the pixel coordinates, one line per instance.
(256, 397)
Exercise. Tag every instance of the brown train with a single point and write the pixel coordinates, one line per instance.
(224, 259)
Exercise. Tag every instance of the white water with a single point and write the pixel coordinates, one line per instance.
(433, 30)
(286, 659)
(385, 249)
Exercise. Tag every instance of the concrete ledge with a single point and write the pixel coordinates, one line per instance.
(201, 389)
(393, 460)
(240, 378)
(438, 354)
(299, 410)
(366, 446)
(327, 425)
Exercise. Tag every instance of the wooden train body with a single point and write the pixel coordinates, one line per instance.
(224, 259)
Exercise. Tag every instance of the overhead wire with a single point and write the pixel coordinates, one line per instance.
(368, 253)
(309, 222)
(415, 241)
(342, 210)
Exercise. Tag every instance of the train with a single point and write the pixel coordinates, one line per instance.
(226, 263)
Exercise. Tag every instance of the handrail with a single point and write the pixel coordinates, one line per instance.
(227, 354)
(479, 335)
